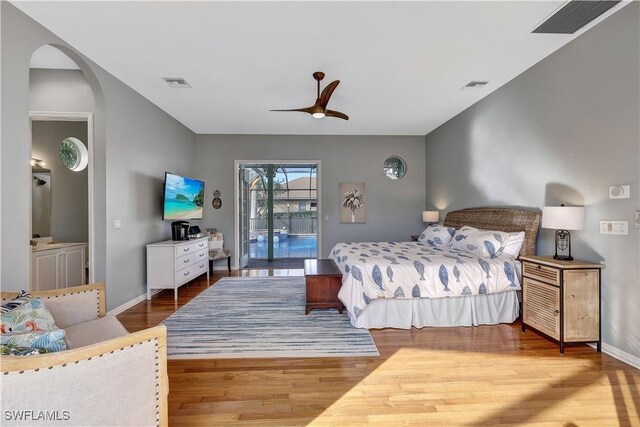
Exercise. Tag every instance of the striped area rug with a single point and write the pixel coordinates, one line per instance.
(242, 317)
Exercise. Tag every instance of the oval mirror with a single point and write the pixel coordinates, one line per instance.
(395, 167)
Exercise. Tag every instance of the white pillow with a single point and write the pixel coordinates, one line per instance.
(514, 244)
(483, 243)
(437, 235)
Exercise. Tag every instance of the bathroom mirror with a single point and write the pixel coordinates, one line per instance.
(395, 167)
(41, 203)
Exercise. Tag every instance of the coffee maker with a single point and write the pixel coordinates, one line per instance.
(180, 230)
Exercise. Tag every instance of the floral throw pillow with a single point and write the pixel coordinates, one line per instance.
(22, 298)
(44, 342)
(482, 243)
(31, 316)
(437, 235)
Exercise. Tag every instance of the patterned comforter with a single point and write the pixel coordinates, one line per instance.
(372, 270)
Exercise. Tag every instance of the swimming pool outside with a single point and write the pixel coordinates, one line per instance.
(291, 247)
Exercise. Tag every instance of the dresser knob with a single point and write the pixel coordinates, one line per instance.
(555, 313)
(539, 267)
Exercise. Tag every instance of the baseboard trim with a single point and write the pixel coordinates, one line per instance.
(127, 305)
(622, 356)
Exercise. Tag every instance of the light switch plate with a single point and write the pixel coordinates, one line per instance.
(117, 224)
(619, 192)
(614, 227)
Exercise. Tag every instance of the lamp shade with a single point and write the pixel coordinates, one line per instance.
(563, 217)
(430, 216)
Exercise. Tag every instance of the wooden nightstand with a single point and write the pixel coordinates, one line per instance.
(561, 299)
(324, 281)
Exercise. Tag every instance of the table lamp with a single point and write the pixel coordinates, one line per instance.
(430, 216)
(563, 218)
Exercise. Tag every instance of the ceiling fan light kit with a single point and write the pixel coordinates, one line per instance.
(319, 109)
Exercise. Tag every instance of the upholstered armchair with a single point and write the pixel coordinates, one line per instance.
(108, 377)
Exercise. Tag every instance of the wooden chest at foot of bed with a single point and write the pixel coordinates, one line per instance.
(323, 279)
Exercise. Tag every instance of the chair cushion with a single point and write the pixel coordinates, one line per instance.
(94, 331)
(219, 253)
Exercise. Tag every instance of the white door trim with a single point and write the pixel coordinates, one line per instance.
(236, 202)
(52, 116)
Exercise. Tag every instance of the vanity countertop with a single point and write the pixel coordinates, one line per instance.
(49, 246)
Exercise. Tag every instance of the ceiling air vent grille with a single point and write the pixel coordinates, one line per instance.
(475, 85)
(177, 82)
(574, 15)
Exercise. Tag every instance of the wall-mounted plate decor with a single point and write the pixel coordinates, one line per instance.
(395, 167)
(217, 201)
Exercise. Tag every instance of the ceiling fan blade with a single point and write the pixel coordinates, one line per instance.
(338, 114)
(302, 110)
(327, 92)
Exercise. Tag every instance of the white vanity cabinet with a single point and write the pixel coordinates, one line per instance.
(58, 266)
(171, 264)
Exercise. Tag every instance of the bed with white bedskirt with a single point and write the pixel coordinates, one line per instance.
(415, 284)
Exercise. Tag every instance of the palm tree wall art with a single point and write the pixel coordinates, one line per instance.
(352, 209)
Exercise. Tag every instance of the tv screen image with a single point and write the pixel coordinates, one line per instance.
(183, 197)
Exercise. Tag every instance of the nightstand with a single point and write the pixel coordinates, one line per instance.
(561, 299)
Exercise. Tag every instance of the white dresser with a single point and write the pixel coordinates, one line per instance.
(171, 264)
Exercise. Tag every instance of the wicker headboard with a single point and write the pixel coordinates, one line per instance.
(502, 219)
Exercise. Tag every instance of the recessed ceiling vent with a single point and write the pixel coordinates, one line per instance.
(574, 15)
(475, 85)
(177, 82)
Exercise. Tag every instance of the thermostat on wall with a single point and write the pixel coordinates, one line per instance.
(619, 192)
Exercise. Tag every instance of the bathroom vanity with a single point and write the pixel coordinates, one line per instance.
(58, 265)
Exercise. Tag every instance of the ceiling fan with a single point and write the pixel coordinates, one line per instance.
(319, 109)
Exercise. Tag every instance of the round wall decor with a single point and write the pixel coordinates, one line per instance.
(74, 154)
(217, 201)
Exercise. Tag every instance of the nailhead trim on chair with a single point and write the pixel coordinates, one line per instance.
(82, 292)
(111, 352)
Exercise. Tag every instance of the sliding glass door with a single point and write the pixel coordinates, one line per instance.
(281, 210)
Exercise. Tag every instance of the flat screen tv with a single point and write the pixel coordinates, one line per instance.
(183, 197)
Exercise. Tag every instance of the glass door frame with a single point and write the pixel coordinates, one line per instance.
(238, 164)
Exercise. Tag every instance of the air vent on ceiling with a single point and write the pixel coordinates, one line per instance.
(176, 82)
(475, 85)
(574, 15)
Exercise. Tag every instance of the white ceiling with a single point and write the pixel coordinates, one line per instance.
(401, 64)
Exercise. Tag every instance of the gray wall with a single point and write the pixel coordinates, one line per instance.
(135, 142)
(69, 189)
(394, 208)
(562, 132)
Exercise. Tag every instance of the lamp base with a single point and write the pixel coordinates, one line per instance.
(563, 257)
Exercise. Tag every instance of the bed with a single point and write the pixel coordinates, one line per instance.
(414, 284)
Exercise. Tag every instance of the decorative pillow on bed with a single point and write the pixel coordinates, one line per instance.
(514, 244)
(437, 235)
(483, 243)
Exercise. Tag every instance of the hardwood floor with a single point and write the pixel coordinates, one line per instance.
(435, 376)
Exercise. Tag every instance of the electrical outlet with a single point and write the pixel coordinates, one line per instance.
(117, 224)
(614, 227)
(637, 219)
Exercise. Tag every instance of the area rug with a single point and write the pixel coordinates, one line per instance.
(248, 317)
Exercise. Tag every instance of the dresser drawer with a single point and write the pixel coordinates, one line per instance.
(200, 245)
(184, 275)
(184, 261)
(201, 255)
(184, 250)
(541, 307)
(541, 272)
(200, 267)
